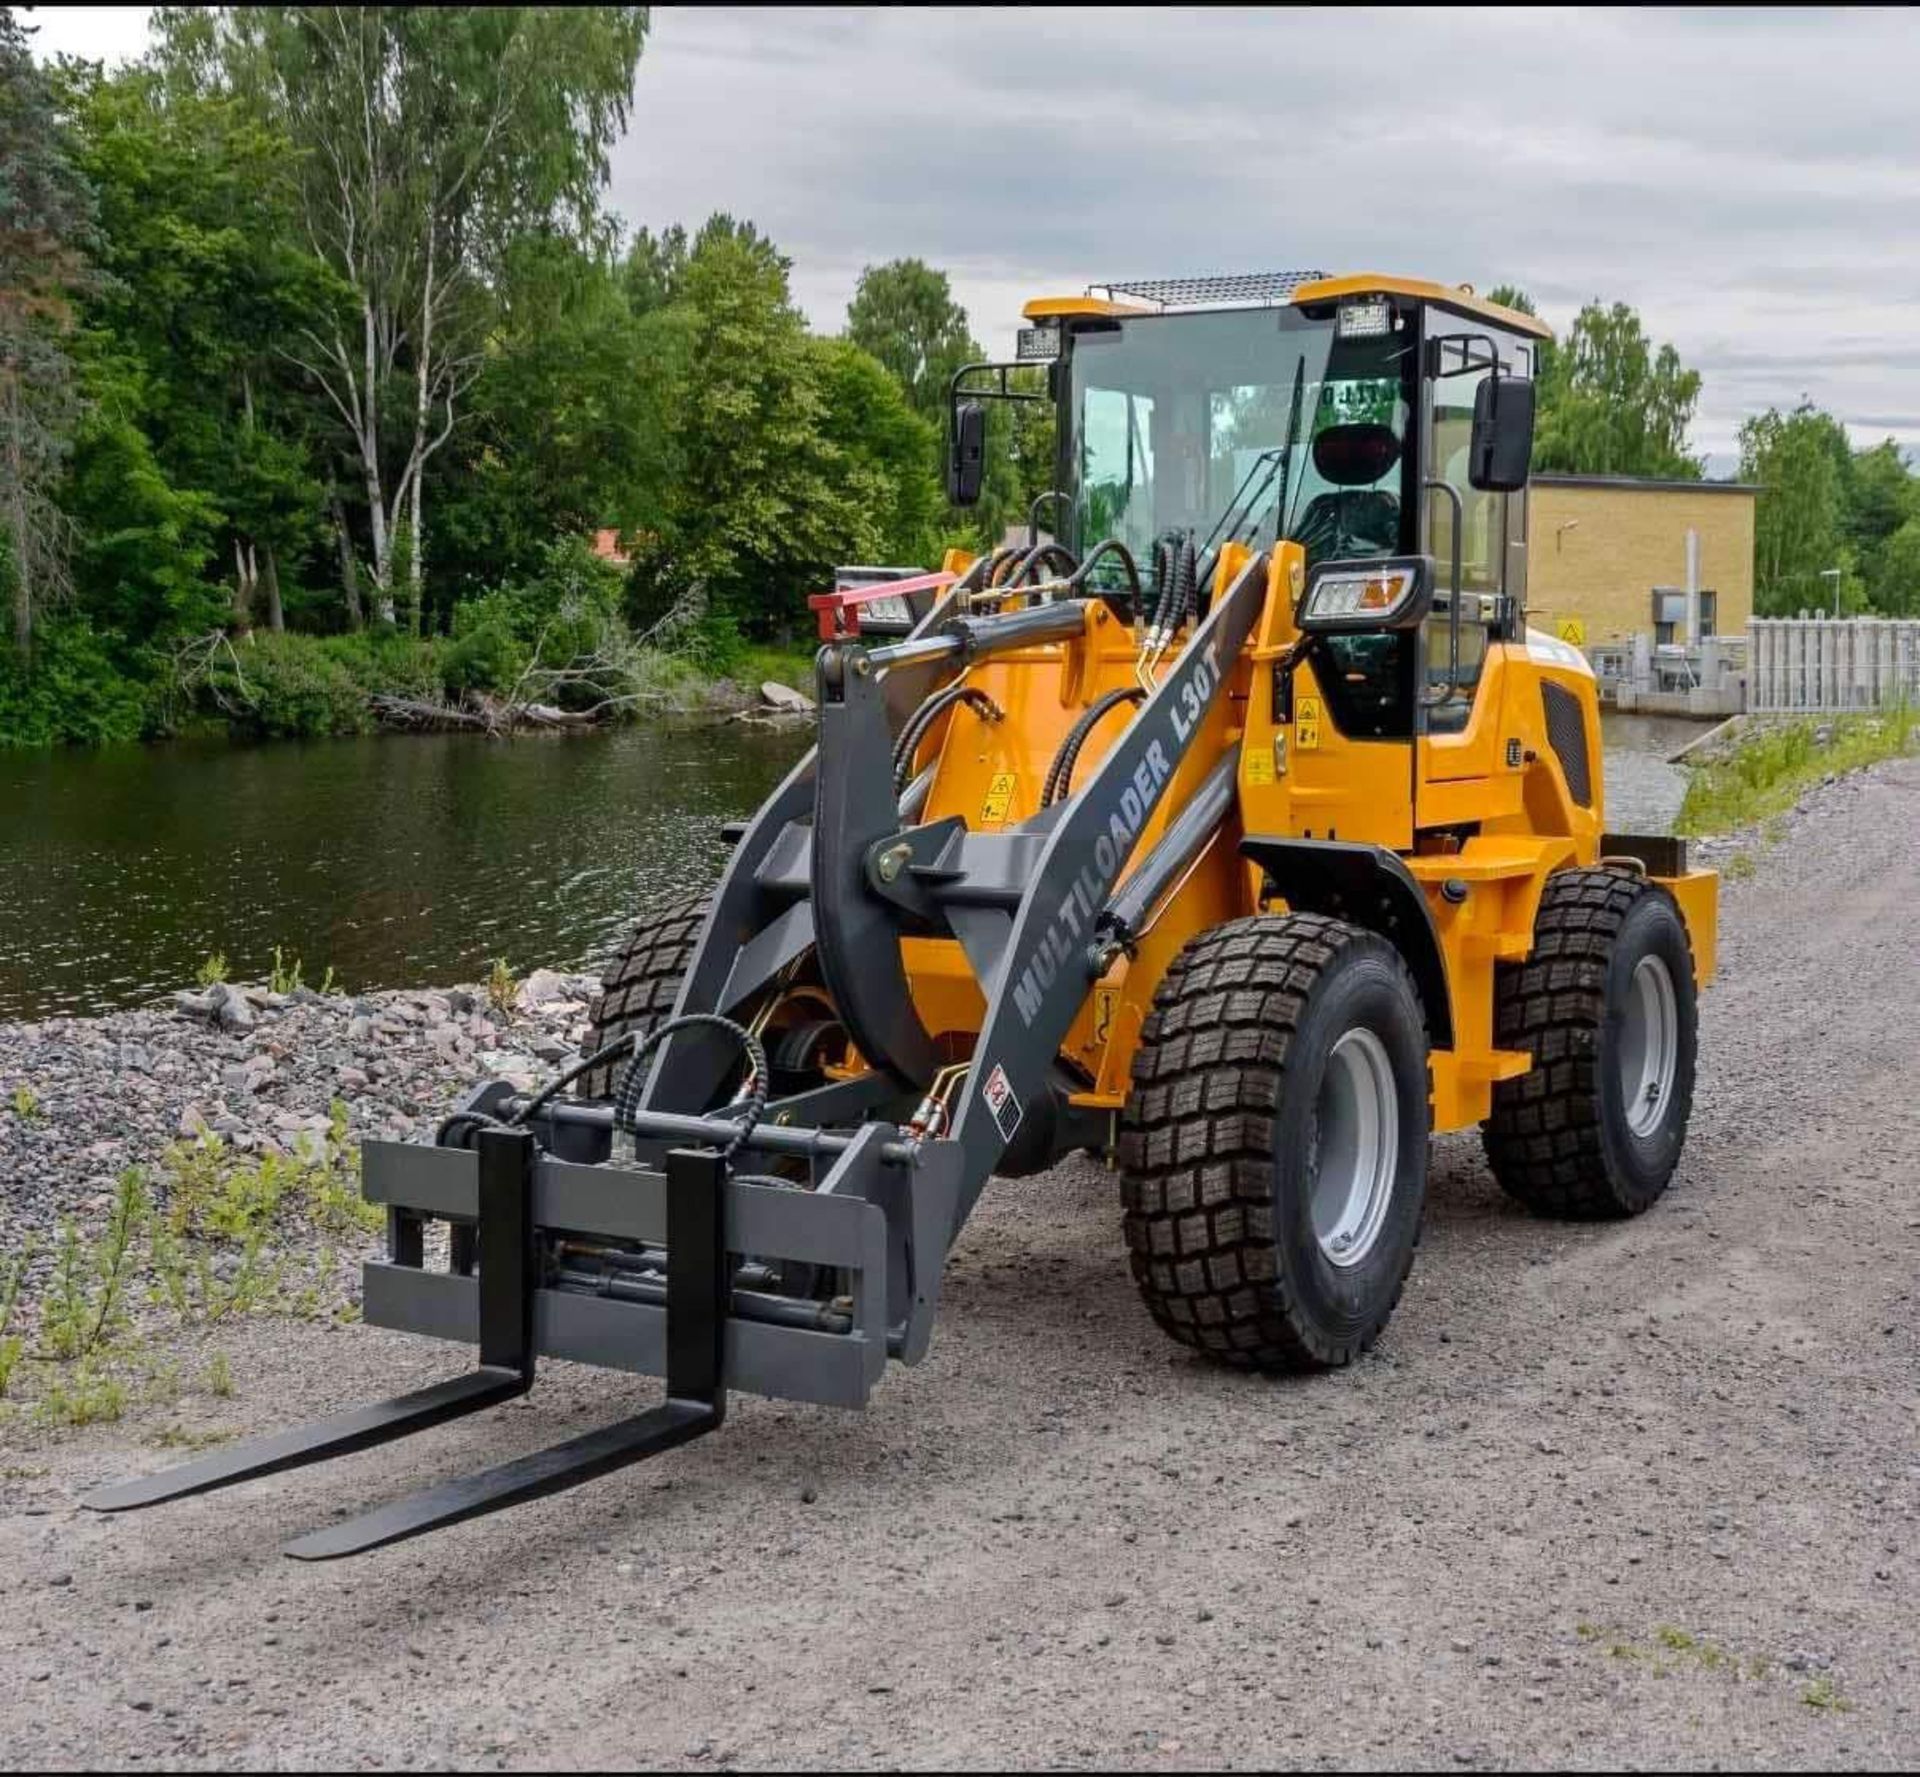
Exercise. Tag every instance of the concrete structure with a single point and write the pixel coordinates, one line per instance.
(1607, 558)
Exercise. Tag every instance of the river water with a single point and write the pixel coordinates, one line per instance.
(404, 860)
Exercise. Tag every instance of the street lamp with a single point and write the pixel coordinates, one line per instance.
(1833, 574)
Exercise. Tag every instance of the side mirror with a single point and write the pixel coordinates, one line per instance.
(966, 453)
(1501, 445)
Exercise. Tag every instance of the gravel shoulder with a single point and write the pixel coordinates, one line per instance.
(1603, 1496)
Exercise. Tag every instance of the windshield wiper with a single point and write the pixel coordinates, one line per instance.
(1277, 461)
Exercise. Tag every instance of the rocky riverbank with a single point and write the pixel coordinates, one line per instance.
(82, 1099)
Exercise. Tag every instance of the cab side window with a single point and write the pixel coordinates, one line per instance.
(1484, 529)
(1464, 364)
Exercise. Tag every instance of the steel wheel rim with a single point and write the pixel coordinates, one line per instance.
(1649, 1045)
(1355, 1149)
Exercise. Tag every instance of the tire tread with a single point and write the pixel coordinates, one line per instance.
(1543, 1140)
(1197, 1141)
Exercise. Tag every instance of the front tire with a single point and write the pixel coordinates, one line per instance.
(1274, 1144)
(641, 984)
(1607, 1007)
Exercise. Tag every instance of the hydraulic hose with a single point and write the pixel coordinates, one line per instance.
(627, 1101)
(1060, 772)
(1162, 583)
(1114, 547)
(923, 718)
(1038, 556)
(1185, 582)
(1002, 562)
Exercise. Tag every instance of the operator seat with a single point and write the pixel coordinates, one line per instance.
(1358, 517)
(1351, 521)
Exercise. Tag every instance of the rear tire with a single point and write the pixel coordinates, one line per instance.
(641, 983)
(1607, 1007)
(1274, 1144)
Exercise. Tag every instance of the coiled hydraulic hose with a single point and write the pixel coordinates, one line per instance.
(1114, 547)
(1002, 563)
(923, 718)
(1162, 584)
(975, 577)
(1060, 772)
(627, 1101)
(745, 1114)
(1182, 585)
(1037, 557)
(1176, 590)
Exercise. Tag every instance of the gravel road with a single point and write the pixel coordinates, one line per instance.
(1627, 1495)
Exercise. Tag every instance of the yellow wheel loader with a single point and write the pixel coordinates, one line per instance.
(1235, 828)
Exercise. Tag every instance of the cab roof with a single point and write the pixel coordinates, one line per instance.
(1160, 296)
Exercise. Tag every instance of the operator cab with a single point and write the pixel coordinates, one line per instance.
(1353, 416)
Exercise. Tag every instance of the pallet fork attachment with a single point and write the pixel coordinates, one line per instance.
(696, 1391)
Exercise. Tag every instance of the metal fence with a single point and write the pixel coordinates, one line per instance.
(1824, 664)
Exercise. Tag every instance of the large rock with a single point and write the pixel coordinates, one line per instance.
(231, 1008)
(540, 987)
(783, 697)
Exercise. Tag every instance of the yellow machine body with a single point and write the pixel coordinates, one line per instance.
(1499, 774)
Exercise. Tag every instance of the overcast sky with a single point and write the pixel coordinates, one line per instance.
(1749, 181)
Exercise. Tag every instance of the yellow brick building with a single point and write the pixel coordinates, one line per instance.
(1599, 547)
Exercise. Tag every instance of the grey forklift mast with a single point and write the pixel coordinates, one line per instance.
(653, 1247)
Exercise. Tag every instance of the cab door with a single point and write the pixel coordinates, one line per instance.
(1460, 726)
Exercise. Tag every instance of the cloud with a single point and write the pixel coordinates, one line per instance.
(1748, 181)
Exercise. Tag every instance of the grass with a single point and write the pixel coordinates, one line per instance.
(218, 1235)
(25, 1102)
(502, 985)
(284, 977)
(1822, 1693)
(1774, 766)
(213, 971)
(1671, 1652)
(792, 665)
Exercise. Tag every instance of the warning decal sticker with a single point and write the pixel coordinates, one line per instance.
(998, 1092)
(1307, 724)
(993, 811)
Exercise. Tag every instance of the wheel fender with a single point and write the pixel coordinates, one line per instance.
(1372, 887)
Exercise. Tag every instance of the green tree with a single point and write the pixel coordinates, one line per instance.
(788, 453)
(206, 283)
(650, 273)
(1800, 519)
(1881, 498)
(426, 141)
(46, 229)
(881, 449)
(570, 425)
(903, 313)
(1611, 403)
(1895, 586)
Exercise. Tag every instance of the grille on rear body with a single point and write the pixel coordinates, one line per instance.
(1567, 734)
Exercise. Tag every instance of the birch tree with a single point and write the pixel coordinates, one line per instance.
(427, 140)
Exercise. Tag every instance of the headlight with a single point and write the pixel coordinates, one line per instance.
(887, 612)
(1389, 594)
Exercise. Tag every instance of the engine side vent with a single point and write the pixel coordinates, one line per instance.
(1567, 733)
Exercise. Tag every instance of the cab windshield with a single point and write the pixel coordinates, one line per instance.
(1207, 424)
